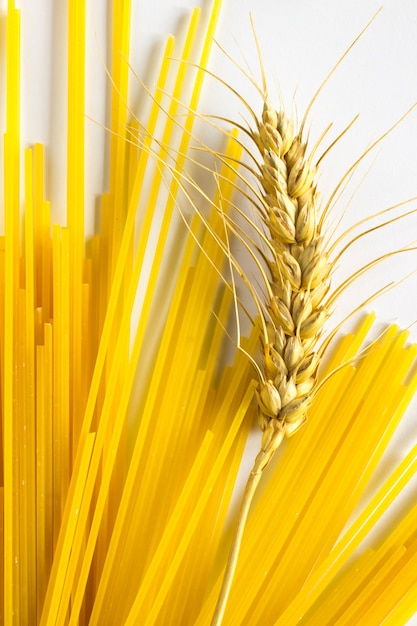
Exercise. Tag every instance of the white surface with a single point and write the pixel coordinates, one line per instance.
(301, 41)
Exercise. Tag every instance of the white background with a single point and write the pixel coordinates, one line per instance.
(301, 41)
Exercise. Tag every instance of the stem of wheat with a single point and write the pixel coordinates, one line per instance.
(299, 279)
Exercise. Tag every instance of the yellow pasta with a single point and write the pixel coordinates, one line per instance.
(11, 273)
(114, 503)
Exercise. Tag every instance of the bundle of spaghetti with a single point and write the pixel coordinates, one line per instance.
(319, 479)
(69, 440)
(359, 594)
(326, 594)
(115, 508)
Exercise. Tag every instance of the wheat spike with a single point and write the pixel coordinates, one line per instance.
(299, 281)
(299, 277)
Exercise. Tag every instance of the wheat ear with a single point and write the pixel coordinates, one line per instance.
(300, 279)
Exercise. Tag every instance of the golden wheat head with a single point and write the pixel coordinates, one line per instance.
(299, 271)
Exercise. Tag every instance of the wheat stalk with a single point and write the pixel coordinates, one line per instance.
(299, 280)
(299, 272)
